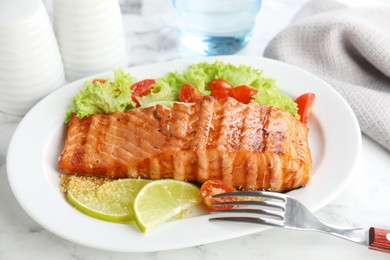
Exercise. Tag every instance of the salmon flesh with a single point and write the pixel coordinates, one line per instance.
(248, 146)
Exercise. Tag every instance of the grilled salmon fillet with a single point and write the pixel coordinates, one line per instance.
(252, 147)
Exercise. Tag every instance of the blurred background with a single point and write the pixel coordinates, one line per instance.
(151, 34)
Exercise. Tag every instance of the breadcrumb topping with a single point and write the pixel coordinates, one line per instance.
(80, 184)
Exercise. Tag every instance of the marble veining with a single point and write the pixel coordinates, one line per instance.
(151, 37)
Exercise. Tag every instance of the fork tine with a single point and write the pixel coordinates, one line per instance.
(279, 215)
(264, 194)
(270, 222)
(252, 203)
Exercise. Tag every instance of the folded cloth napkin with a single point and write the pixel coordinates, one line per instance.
(350, 49)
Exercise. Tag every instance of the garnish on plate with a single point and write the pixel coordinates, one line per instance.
(219, 79)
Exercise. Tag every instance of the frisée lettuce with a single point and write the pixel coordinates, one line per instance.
(107, 96)
(268, 93)
(103, 96)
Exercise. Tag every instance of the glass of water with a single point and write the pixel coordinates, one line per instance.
(216, 27)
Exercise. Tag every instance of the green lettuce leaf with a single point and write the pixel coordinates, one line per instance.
(108, 97)
(199, 75)
(165, 91)
(115, 95)
(272, 97)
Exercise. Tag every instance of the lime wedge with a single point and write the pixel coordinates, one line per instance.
(161, 200)
(104, 199)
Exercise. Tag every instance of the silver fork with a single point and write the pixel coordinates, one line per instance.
(281, 210)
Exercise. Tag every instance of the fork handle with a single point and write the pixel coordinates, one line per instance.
(379, 239)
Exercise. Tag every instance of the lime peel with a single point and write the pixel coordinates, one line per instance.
(104, 199)
(149, 203)
(162, 200)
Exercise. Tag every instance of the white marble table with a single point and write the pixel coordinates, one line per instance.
(150, 32)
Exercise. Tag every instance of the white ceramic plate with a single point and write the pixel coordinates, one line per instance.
(334, 138)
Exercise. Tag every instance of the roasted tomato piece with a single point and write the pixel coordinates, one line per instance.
(220, 88)
(220, 93)
(214, 187)
(99, 80)
(141, 88)
(305, 105)
(219, 83)
(243, 93)
(189, 94)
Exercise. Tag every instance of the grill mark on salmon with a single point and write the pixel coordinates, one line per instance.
(116, 135)
(250, 146)
(132, 149)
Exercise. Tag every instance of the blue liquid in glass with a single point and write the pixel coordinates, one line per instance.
(214, 45)
(216, 27)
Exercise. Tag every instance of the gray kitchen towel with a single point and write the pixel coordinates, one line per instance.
(350, 49)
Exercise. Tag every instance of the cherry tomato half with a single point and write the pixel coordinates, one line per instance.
(214, 187)
(220, 89)
(189, 94)
(305, 104)
(141, 88)
(99, 80)
(243, 93)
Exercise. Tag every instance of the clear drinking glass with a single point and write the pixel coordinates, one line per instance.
(216, 27)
